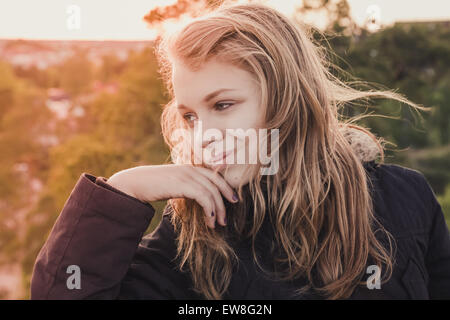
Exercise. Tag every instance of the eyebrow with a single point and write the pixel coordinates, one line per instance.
(208, 97)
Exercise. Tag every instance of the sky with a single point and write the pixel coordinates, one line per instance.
(122, 19)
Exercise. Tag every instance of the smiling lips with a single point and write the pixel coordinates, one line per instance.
(218, 160)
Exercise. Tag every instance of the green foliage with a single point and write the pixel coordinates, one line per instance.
(414, 60)
(122, 131)
(444, 201)
(21, 116)
(8, 88)
(76, 74)
(110, 68)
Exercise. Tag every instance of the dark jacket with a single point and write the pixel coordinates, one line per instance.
(100, 229)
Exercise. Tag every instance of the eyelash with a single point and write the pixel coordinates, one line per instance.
(215, 108)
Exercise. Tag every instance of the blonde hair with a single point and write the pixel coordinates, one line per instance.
(319, 201)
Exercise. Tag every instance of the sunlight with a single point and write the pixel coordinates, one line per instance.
(112, 20)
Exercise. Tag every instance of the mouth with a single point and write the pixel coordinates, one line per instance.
(219, 161)
(221, 156)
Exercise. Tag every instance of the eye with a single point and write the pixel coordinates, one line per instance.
(222, 104)
(187, 115)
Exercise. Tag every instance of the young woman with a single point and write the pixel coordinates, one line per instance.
(326, 221)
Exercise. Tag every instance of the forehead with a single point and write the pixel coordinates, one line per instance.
(212, 75)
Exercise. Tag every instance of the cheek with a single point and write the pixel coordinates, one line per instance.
(249, 117)
(256, 116)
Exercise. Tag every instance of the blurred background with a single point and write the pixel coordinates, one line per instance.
(80, 92)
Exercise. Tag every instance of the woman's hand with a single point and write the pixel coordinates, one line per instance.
(162, 182)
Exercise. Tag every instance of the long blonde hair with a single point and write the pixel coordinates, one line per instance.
(319, 202)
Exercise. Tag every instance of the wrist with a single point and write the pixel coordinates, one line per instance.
(120, 183)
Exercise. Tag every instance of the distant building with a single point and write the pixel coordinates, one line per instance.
(99, 87)
(58, 101)
(45, 53)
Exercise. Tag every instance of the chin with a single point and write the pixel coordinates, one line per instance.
(235, 175)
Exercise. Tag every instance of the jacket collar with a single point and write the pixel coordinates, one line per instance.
(364, 146)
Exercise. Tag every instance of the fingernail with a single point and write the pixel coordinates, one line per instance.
(212, 214)
(235, 198)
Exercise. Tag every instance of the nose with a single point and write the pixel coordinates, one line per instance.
(205, 136)
(208, 132)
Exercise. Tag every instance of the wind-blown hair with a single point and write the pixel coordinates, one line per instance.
(319, 202)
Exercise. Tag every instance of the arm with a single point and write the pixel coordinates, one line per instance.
(98, 230)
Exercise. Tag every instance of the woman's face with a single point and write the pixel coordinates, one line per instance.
(220, 98)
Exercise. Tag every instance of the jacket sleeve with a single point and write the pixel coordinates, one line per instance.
(154, 272)
(92, 243)
(438, 255)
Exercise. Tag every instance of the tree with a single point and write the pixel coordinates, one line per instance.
(76, 73)
(124, 132)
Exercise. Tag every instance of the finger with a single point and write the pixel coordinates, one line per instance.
(199, 193)
(220, 182)
(214, 191)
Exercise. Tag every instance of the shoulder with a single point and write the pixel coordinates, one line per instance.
(401, 181)
(393, 169)
(402, 197)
